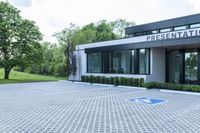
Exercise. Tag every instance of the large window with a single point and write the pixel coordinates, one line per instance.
(180, 28)
(144, 61)
(165, 30)
(94, 62)
(174, 66)
(191, 64)
(183, 66)
(121, 61)
(135, 61)
(195, 25)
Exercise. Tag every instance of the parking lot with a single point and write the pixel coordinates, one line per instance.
(64, 107)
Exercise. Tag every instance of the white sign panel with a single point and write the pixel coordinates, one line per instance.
(174, 35)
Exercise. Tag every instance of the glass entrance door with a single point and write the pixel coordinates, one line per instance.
(174, 66)
(191, 64)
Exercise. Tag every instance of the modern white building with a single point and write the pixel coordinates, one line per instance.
(164, 51)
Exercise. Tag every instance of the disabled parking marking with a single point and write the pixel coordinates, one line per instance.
(148, 100)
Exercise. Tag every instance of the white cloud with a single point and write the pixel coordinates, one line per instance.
(53, 15)
(195, 4)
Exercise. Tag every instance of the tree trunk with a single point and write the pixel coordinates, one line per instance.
(6, 73)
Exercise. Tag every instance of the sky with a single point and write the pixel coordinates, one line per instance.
(54, 15)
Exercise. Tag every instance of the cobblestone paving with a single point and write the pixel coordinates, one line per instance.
(79, 108)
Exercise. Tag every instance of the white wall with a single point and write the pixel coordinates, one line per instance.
(157, 65)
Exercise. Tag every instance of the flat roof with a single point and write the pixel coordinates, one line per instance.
(185, 20)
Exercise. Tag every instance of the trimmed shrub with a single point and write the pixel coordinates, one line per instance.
(122, 81)
(141, 82)
(129, 82)
(111, 80)
(137, 82)
(87, 78)
(91, 79)
(107, 81)
(98, 79)
(171, 86)
(126, 81)
(103, 80)
(82, 78)
(116, 81)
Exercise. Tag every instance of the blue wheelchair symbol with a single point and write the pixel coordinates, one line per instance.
(147, 100)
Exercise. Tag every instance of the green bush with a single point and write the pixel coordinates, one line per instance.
(107, 81)
(91, 79)
(103, 79)
(137, 82)
(116, 81)
(141, 82)
(127, 82)
(170, 86)
(82, 78)
(111, 80)
(122, 81)
(87, 78)
(98, 79)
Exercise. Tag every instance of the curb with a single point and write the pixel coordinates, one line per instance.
(132, 87)
(106, 85)
(180, 92)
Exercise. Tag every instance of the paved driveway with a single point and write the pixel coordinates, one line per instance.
(67, 107)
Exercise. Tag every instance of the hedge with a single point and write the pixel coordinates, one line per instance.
(171, 86)
(113, 80)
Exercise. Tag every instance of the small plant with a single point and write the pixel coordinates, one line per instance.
(98, 79)
(126, 81)
(122, 81)
(87, 78)
(111, 80)
(82, 78)
(107, 81)
(137, 82)
(91, 79)
(103, 80)
(141, 82)
(116, 81)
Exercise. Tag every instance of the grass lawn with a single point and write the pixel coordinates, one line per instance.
(21, 77)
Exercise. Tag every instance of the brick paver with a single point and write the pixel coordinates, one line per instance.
(79, 108)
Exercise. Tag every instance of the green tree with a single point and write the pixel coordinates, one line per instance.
(19, 39)
(67, 40)
(119, 25)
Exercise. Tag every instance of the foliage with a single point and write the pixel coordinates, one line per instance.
(83, 78)
(91, 79)
(119, 25)
(21, 77)
(116, 81)
(20, 39)
(113, 80)
(103, 79)
(171, 86)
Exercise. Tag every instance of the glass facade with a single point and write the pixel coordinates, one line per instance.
(143, 61)
(183, 66)
(119, 62)
(174, 66)
(195, 25)
(180, 28)
(191, 65)
(165, 30)
(94, 61)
